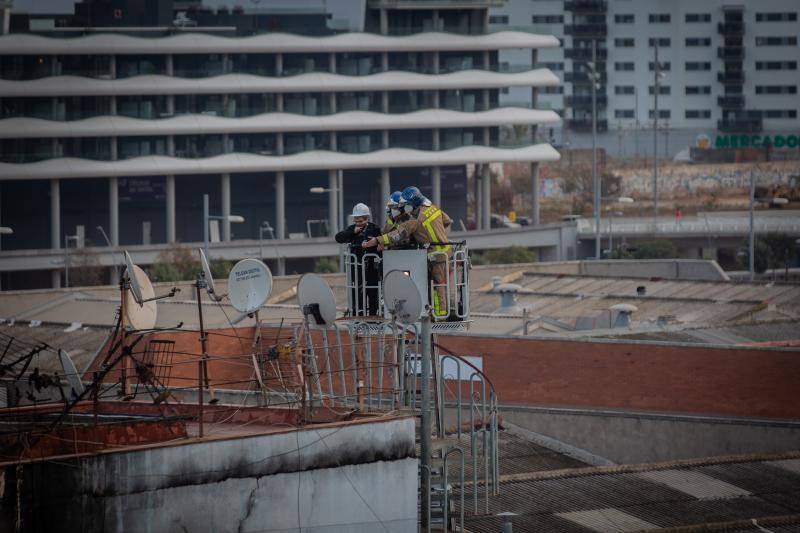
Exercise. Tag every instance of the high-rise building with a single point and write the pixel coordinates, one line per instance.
(122, 116)
(726, 68)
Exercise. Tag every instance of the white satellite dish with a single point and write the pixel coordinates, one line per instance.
(134, 283)
(141, 313)
(313, 290)
(401, 297)
(70, 372)
(212, 291)
(249, 285)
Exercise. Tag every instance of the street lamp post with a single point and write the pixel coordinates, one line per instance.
(595, 181)
(611, 215)
(752, 243)
(114, 269)
(657, 70)
(207, 218)
(334, 217)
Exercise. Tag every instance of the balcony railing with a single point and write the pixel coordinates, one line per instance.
(584, 101)
(730, 52)
(586, 30)
(734, 77)
(585, 124)
(584, 54)
(740, 125)
(731, 102)
(730, 28)
(586, 6)
(583, 77)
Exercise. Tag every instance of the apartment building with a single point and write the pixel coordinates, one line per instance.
(724, 68)
(122, 117)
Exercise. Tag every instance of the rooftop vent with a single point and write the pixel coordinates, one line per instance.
(641, 290)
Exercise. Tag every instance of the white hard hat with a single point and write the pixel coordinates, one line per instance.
(361, 210)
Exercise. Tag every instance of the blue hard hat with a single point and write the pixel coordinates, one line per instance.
(413, 196)
(395, 198)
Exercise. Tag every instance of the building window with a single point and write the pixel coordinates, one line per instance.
(776, 41)
(556, 67)
(559, 89)
(663, 42)
(504, 90)
(697, 113)
(776, 17)
(776, 89)
(662, 90)
(662, 113)
(698, 65)
(623, 113)
(698, 17)
(698, 89)
(548, 19)
(659, 18)
(780, 113)
(498, 19)
(623, 66)
(623, 19)
(624, 89)
(664, 66)
(624, 42)
(698, 41)
(776, 65)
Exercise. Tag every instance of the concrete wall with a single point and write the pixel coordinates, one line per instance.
(629, 437)
(656, 268)
(358, 477)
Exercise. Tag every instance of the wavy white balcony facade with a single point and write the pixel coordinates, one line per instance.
(247, 83)
(200, 43)
(66, 168)
(120, 126)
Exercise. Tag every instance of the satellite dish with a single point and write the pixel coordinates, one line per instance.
(212, 291)
(624, 308)
(249, 285)
(71, 373)
(134, 283)
(312, 290)
(141, 313)
(401, 297)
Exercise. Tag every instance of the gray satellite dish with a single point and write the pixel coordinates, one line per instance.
(313, 290)
(212, 291)
(249, 285)
(401, 297)
(71, 373)
(134, 283)
(141, 313)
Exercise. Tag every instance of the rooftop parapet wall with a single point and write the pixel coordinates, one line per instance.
(740, 382)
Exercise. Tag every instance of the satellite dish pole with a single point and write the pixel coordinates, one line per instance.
(202, 369)
(425, 422)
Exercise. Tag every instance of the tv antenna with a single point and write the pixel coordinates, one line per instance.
(401, 297)
(208, 278)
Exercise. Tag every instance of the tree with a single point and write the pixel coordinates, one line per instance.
(326, 265)
(176, 263)
(658, 249)
(771, 251)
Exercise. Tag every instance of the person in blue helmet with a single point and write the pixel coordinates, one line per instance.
(427, 225)
(395, 215)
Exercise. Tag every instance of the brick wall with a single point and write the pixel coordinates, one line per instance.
(747, 382)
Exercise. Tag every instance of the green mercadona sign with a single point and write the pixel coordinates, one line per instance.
(757, 141)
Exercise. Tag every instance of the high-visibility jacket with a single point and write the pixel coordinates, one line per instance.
(428, 225)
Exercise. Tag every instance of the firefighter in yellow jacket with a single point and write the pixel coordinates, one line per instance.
(427, 224)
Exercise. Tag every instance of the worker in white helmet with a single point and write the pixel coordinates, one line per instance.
(354, 235)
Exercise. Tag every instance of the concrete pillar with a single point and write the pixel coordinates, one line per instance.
(332, 201)
(6, 25)
(478, 175)
(170, 192)
(279, 64)
(280, 205)
(386, 190)
(112, 66)
(170, 71)
(55, 226)
(384, 22)
(113, 211)
(436, 183)
(535, 193)
(487, 197)
(225, 186)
